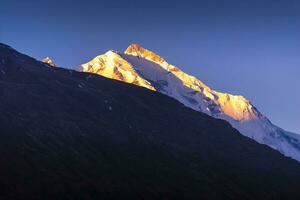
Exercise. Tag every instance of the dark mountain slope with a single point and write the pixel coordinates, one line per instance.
(71, 135)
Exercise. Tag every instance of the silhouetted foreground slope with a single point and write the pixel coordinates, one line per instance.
(70, 135)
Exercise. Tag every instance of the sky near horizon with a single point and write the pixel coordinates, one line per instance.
(250, 48)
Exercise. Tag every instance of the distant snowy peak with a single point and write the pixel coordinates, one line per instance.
(145, 68)
(112, 65)
(49, 61)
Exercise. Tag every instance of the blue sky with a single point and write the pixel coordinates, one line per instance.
(250, 48)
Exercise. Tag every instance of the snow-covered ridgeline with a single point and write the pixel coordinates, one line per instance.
(142, 67)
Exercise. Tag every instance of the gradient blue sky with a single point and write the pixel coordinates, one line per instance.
(242, 47)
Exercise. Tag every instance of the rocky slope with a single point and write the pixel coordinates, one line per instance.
(71, 135)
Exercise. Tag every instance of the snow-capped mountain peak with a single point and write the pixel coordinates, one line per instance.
(145, 68)
(49, 61)
(112, 65)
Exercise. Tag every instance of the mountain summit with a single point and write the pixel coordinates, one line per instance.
(140, 66)
(112, 65)
(48, 61)
(138, 50)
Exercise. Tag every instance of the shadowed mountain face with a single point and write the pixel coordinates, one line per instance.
(72, 135)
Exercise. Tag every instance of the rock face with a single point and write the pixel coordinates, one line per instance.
(142, 67)
(49, 61)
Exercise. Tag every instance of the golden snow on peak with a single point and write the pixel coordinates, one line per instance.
(49, 61)
(236, 107)
(138, 50)
(112, 65)
(120, 67)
